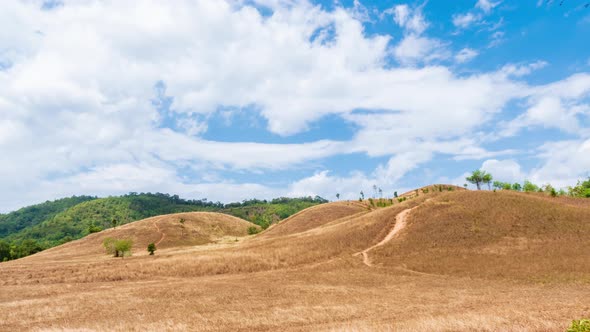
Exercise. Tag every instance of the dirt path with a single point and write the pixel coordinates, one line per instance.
(400, 223)
(159, 231)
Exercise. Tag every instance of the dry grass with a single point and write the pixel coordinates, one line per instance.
(495, 235)
(305, 277)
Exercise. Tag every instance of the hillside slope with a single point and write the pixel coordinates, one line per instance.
(32, 229)
(315, 217)
(14, 222)
(167, 231)
(495, 235)
(450, 261)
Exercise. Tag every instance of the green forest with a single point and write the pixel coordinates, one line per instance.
(38, 227)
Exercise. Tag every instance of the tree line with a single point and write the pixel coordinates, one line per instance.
(481, 177)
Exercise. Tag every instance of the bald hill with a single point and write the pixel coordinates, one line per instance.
(442, 259)
(38, 227)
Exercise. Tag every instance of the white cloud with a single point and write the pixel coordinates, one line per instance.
(504, 170)
(465, 55)
(411, 19)
(86, 112)
(414, 49)
(401, 13)
(523, 70)
(564, 163)
(486, 5)
(464, 21)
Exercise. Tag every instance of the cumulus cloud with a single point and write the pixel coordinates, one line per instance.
(504, 170)
(77, 102)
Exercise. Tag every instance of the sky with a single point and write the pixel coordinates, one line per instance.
(235, 99)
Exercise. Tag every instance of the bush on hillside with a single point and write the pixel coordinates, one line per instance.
(151, 248)
(253, 230)
(582, 325)
(117, 248)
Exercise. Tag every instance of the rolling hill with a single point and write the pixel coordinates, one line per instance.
(46, 225)
(440, 260)
(166, 231)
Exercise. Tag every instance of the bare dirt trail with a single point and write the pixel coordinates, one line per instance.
(163, 235)
(400, 223)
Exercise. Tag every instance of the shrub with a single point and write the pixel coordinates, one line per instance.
(123, 247)
(93, 229)
(151, 248)
(109, 246)
(252, 230)
(582, 325)
(117, 248)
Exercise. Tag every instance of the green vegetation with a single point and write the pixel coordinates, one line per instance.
(582, 325)
(35, 228)
(479, 177)
(151, 248)
(252, 230)
(118, 248)
(35, 214)
(582, 189)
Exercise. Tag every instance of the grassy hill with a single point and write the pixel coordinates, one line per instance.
(439, 260)
(33, 215)
(196, 228)
(38, 227)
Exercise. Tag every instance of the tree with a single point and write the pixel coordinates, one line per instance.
(114, 223)
(582, 189)
(487, 178)
(362, 195)
(516, 186)
(529, 186)
(181, 221)
(498, 185)
(374, 191)
(4, 251)
(338, 196)
(380, 193)
(117, 248)
(123, 247)
(151, 248)
(109, 246)
(465, 185)
(478, 177)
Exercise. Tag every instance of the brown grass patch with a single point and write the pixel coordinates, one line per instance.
(474, 245)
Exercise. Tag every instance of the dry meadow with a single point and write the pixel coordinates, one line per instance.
(465, 261)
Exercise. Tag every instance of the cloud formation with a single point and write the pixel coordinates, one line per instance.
(81, 96)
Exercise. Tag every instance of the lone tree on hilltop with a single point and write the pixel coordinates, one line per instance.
(487, 178)
(338, 196)
(362, 195)
(151, 248)
(478, 177)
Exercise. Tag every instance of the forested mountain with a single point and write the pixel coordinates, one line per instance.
(45, 225)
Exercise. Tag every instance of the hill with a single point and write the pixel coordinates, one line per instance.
(35, 214)
(496, 235)
(441, 260)
(166, 231)
(35, 228)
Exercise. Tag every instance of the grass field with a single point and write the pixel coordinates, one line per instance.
(480, 261)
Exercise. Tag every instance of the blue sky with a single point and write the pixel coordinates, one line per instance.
(235, 99)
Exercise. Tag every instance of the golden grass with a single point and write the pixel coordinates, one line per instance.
(305, 277)
(495, 235)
